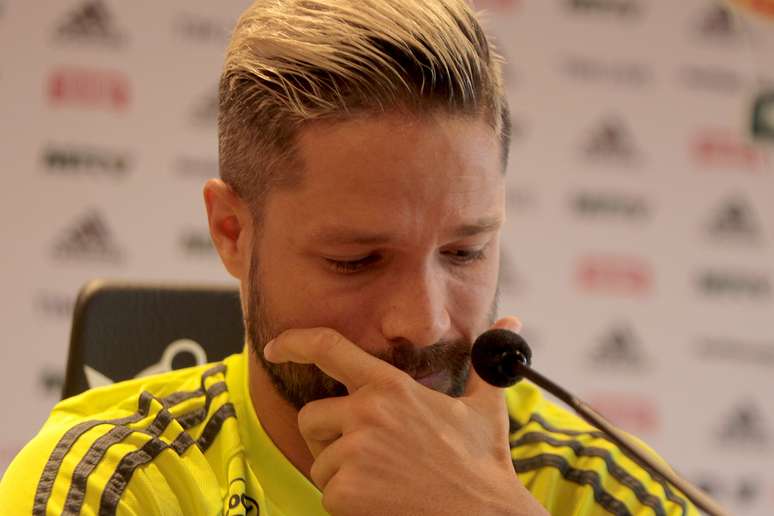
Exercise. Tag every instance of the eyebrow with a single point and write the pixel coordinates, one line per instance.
(349, 236)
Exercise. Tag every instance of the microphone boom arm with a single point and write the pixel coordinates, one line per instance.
(627, 444)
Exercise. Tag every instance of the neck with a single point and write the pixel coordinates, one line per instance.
(278, 418)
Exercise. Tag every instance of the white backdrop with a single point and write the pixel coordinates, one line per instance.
(639, 244)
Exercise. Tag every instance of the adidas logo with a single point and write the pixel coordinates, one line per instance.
(91, 22)
(763, 117)
(205, 112)
(736, 221)
(88, 239)
(65, 161)
(623, 8)
(718, 23)
(619, 348)
(611, 140)
(745, 426)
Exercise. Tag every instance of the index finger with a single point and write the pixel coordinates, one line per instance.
(336, 356)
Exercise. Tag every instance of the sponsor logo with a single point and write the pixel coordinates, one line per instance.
(598, 204)
(91, 22)
(744, 426)
(197, 243)
(718, 23)
(616, 275)
(54, 305)
(196, 168)
(736, 284)
(725, 149)
(763, 116)
(634, 413)
(735, 222)
(591, 69)
(88, 87)
(205, 111)
(735, 350)
(762, 7)
(619, 349)
(611, 141)
(88, 239)
(622, 8)
(711, 78)
(198, 28)
(85, 161)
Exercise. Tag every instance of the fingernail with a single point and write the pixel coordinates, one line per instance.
(267, 349)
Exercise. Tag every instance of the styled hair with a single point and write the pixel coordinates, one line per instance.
(291, 62)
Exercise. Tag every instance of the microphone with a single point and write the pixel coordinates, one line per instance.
(502, 358)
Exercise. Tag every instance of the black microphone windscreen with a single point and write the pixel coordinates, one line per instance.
(496, 355)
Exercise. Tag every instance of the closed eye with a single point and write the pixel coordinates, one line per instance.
(352, 266)
(465, 256)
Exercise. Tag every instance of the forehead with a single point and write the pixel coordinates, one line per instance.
(396, 171)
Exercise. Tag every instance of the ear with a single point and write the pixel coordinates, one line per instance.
(231, 227)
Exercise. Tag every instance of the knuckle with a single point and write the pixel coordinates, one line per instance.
(341, 492)
(316, 473)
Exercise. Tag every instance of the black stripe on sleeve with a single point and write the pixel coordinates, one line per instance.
(618, 472)
(77, 491)
(115, 487)
(66, 442)
(670, 495)
(51, 469)
(578, 476)
(214, 425)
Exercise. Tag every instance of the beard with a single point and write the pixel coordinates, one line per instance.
(301, 383)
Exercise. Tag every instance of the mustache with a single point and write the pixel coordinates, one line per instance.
(420, 361)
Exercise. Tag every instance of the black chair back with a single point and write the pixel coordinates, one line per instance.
(123, 330)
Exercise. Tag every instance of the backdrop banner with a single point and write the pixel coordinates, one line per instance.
(639, 248)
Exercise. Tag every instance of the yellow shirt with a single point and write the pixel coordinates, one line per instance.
(189, 442)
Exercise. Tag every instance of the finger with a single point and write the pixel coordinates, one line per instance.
(329, 461)
(332, 353)
(323, 421)
(476, 387)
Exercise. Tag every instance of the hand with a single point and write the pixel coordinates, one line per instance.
(395, 447)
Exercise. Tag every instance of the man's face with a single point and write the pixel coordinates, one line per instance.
(391, 238)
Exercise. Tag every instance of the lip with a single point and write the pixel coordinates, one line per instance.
(432, 379)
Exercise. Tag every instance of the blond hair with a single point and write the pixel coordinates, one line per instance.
(290, 62)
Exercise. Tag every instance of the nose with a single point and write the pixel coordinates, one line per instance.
(415, 307)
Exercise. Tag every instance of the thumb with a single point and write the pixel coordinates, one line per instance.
(476, 389)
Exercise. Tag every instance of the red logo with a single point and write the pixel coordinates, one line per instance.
(632, 412)
(725, 149)
(614, 275)
(88, 87)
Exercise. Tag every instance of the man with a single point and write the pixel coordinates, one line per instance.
(362, 148)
